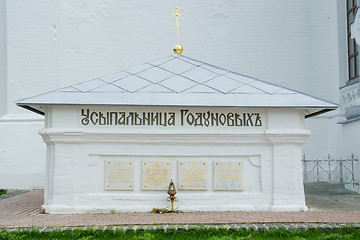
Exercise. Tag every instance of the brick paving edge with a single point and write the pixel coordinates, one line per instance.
(12, 194)
(165, 227)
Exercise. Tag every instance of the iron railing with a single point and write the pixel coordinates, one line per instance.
(330, 170)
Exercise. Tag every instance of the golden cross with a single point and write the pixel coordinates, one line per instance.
(177, 15)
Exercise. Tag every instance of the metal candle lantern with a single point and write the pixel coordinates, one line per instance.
(172, 191)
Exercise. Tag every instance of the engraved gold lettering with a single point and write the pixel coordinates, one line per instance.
(165, 119)
(230, 119)
(85, 120)
(258, 120)
(130, 118)
(190, 119)
(206, 118)
(113, 118)
(214, 119)
(171, 121)
(122, 119)
(183, 114)
(102, 119)
(222, 119)
(249, 121)
(198, 120)
(146, 119)
(238, 120)
(92, 118)
(154, 118)
(138, 120)
(164, 123)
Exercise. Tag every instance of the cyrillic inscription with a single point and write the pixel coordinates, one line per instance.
(119, 175)
(192, 175)
(155, 175)
(166, 119)
(220, 119)
(127, 118)
(228, 175)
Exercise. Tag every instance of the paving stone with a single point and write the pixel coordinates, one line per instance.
(233, 227)
(201, 226)
(66, 229)
(183, 227)
(246, 226)
(308, 225)
(301, 227)
(122, 228)
(103, 228)
(21, 211)
(254, 227)
(134, 227)
(270, 226)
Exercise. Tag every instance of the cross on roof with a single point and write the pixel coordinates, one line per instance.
(178, 48)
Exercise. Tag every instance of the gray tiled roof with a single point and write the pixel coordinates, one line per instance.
(178, 81)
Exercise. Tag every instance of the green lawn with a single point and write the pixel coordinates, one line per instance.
(193, 234)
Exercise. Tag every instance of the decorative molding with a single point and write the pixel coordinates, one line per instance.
(349, 96)
(268, 137)
(287, 136)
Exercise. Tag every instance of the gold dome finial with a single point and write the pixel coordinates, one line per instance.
(178, 49)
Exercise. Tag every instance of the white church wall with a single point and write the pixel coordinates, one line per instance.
(51, 44)
(30, 69)
(350, 100)
(3, 59)
(352, 146)
(31, 49)
(21, 153)
(325, 138)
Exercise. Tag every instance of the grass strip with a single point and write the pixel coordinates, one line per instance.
(191, 234)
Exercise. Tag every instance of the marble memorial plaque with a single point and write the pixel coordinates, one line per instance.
(155, 175)
(192, 175)
(119, 175)
(228, 175)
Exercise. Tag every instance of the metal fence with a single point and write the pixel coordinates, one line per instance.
(330, 170)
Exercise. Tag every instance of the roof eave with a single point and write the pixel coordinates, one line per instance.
(316, 111)
(27, 107)
(313, 114)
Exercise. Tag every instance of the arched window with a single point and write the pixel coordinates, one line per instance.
(353, 58)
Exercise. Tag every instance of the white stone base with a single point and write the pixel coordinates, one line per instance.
(144, 203)
(272, 179)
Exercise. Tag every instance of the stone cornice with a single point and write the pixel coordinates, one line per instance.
(267, 137)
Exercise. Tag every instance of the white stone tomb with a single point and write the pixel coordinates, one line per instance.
(229, 142)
